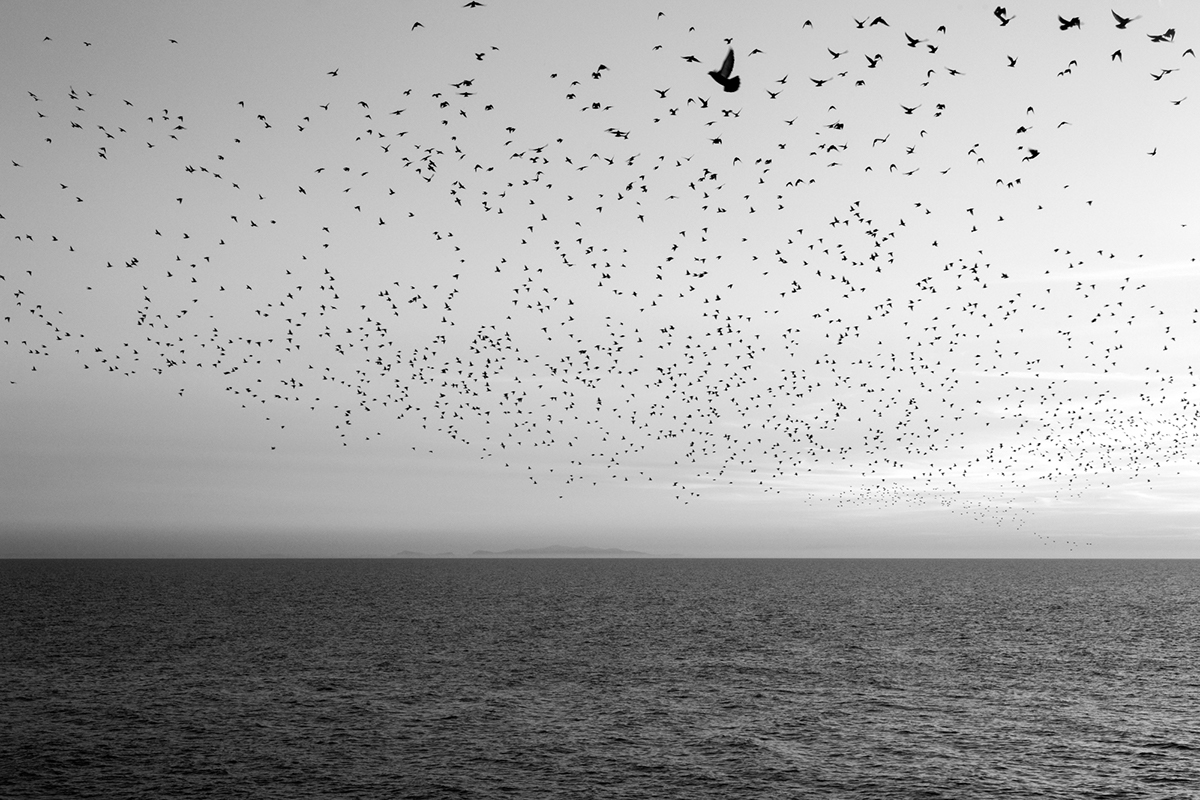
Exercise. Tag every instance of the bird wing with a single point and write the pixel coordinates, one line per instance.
(727, 67)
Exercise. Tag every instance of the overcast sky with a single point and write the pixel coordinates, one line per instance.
(357, 278)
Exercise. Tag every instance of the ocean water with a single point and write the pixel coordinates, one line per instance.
(600, 679)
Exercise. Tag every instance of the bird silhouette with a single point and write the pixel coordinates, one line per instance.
(724, 76)
(1123, 21)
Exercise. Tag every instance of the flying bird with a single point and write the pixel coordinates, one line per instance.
(724, 76)
(1123, 21)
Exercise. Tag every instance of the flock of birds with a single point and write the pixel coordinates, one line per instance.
(689, 291)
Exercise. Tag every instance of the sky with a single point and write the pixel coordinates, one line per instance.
(351, 279)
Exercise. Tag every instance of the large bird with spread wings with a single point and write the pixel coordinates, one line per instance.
(724, 76)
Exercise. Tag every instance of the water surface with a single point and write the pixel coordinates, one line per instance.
(600, 678)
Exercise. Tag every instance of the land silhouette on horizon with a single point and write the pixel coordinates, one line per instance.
(548, 551)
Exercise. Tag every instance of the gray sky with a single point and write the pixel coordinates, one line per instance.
(317, 280)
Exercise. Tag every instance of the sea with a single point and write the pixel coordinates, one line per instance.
(600, 678)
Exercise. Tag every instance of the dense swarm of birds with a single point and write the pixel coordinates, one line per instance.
(890, 271)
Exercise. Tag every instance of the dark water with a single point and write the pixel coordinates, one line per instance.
(614, 679)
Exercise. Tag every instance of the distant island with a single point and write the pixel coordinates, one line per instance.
(564, 551)
(550, 551)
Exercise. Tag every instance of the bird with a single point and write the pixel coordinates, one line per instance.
(724, 76)
(1123, 21)
(1066, 24)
